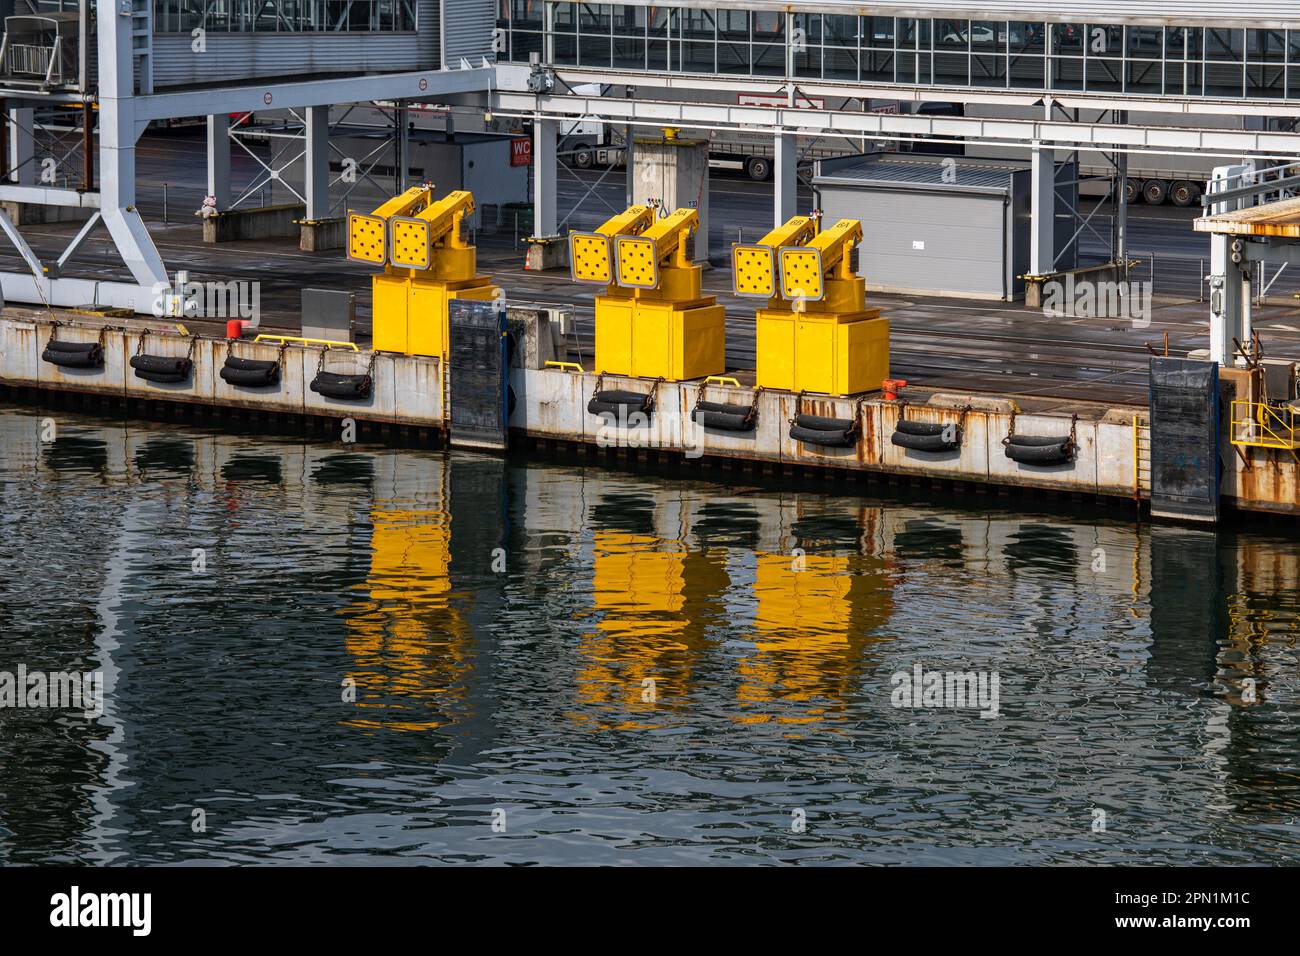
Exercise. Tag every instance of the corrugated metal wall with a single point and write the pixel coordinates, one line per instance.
(232, 57)
(467, 27)
(925, 243)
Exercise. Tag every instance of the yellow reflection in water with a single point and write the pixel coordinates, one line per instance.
(407, 640)
(655, 600)
(810, 634)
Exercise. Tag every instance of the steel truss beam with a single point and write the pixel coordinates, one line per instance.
(810, 122)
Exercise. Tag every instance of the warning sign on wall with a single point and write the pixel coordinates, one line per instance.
(521, 151)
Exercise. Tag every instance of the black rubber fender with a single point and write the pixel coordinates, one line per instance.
(74, 354)
(251, 373)
(819, 423)
(723, 416)
(619, 402)
(1034, 441)
(347, 387)
(1058, 452)
(162, 368)
(925, 442)
(845, 438)
(920, 428)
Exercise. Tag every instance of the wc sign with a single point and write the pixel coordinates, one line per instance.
(521, 151)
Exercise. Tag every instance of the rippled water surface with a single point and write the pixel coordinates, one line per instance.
(396, 656)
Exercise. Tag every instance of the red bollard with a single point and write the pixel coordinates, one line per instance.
(889, 388)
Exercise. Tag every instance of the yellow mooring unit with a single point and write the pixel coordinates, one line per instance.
(651, 320)
(816, 333)
(427, 263)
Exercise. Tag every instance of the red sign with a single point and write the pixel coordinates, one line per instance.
(521, 151)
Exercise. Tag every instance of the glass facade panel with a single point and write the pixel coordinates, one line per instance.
(1169, 60)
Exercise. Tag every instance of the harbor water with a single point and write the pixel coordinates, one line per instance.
(315, 651)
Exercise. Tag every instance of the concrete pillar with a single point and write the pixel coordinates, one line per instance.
(545, 177)
(22, 147)
(676, 174)
(1042, 212)
(316, 182)
(219, 160)
(785, 178)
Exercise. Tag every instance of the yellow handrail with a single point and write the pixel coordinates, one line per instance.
(567, 365)
(722, 380)
(1258, 425)
(282, 339)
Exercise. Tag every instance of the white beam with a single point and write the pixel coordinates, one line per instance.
(44, 196)
(692, 83)
(422, 85)
(811, 122)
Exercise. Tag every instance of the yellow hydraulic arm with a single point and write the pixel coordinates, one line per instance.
(431, 238)
(753, 268)
(658, 259)
(590, 253)
(368, 234)
(822, 269)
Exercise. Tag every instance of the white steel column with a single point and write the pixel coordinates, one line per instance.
(1229, 282)
(219, 160)
(117, 138)
(22, 147)
(785, 177)
(316, 183)
(1042, 212)
(545, 176)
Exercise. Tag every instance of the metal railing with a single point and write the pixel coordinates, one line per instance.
(1259, 425)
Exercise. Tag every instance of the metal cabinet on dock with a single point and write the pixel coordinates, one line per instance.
(942, 225)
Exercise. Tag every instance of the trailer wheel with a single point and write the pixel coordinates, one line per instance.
(582, 157)
(759, 168)
(1154, 191)
(1132, 191)
(1183, 193)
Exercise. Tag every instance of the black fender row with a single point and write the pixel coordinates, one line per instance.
(724, 416)
(828, 432)
(927, 436)
(620, 402)
(73, 354)
(163, 369)
(346, 387)
(1040, 449)
(251, 373)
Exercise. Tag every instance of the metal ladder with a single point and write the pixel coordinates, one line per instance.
(1141, 455)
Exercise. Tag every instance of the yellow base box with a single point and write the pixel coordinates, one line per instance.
(411, 311)
(821, 353)
(659, 339)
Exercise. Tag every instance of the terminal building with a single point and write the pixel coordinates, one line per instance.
(1146, 98)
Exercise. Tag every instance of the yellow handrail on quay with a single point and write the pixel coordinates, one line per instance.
(282, 339)
(1259, 425)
